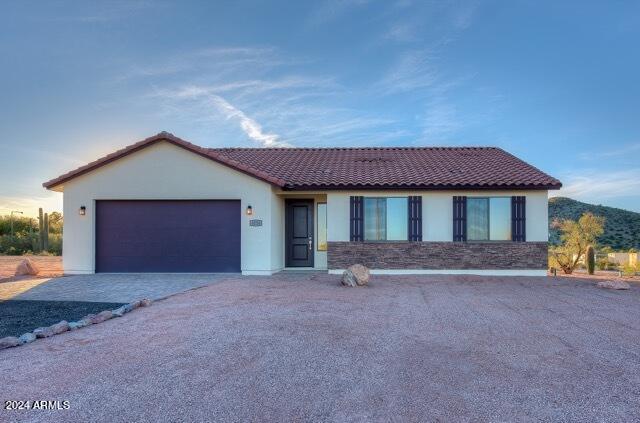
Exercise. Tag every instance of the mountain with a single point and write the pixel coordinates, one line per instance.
(621, 227)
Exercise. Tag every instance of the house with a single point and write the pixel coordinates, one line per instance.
(166, 205)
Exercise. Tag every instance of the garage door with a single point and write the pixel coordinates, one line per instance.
(168, 236)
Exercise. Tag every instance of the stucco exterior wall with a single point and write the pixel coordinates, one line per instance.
(437, 230)
(164, 171)
(437, 212)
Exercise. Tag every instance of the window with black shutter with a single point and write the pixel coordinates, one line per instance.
(459, 218)
(518, 218)
(415, 218)
(356, 227)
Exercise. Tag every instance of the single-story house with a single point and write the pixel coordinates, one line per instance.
(166, 205)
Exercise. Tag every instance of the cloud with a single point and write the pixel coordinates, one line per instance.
(29, 205)
(250, 127)
(414, 70)
(615, 152)
(592, 185)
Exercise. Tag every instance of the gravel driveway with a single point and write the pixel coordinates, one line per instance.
(299, 347)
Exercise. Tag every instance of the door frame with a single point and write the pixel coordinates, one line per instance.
(288, 203)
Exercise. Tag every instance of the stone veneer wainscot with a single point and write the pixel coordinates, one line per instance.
(439, 255)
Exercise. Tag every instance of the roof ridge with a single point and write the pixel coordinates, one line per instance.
(355, 148)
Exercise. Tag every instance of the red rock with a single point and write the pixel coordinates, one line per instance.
(27, 267)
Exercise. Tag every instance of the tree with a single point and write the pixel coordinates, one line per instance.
(574, 239)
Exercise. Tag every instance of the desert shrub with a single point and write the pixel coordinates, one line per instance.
(605, 264)
(17, 245)
(628, 270)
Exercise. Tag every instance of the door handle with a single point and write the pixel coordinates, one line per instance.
(310, 243)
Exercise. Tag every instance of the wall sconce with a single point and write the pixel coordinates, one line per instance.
(249, 210)
(82, 211)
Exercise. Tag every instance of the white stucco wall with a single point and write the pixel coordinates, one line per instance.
(437, 212)
(164, 172)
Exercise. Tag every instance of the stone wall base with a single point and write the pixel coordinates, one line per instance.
(439, 255)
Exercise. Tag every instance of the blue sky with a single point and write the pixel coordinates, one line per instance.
(556, 83)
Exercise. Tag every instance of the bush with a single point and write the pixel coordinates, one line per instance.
(26, 244)
(628, 270)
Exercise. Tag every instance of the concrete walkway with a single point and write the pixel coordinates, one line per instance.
(111, 288)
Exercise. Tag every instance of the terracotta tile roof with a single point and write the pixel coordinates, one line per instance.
(362, 168)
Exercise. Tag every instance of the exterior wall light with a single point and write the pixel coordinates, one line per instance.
(249, 210)
(82, 211)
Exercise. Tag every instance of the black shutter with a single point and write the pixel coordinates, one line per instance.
(518, 218)
(459, 218)
(356, 227)
(415, 218)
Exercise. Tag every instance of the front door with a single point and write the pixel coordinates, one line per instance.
(299, 233)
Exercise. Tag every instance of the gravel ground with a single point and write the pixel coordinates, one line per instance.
(18, 317)
(49, 265)
(299, 347)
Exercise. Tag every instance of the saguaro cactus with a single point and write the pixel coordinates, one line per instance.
(40, 230)
(46, 232)
(590, 259)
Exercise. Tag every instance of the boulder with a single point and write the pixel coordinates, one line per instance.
(27, 267)
(356, 275)
(9, 341)
(43, 332)
(118, 312)
(102, 316)
(145, 302)
(614, 284)
(60, 327)
(27, 338)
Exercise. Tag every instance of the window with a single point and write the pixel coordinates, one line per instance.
(322, 227)
(489, 219)
(386, 219)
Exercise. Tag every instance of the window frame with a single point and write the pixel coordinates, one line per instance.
(488, 198)
(364, 218)
(326, 229)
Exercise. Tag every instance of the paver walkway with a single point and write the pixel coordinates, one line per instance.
(112, 288)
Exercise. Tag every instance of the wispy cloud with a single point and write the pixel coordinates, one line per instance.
(413, 70)
(625, 150)
(590, 184)
(250, 127)
(401, 32)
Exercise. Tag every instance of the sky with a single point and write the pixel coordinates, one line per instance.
(555, 83)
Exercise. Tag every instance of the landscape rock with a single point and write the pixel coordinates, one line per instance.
(60, 327)
(75, 325)
(43, 332)
(348, 279)
(614, 284)
(361, 273)
(27, 267)
(101, 317)
(27, 338)
(119, 312)
(9, 341)
(86, 320)
(145, 302)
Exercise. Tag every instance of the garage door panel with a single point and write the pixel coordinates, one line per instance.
(168, 236)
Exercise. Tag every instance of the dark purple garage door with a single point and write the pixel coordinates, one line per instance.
(168, 236)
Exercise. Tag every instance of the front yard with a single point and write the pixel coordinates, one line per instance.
(300, 347)
(49, 266)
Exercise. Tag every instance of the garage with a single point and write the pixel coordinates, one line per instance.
(168, 236)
